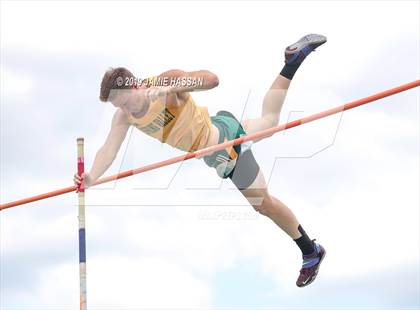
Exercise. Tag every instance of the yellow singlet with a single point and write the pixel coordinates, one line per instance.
(186, 127)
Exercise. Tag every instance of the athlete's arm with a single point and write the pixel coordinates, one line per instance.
(109, 150)
(180, 83)
(193, 80)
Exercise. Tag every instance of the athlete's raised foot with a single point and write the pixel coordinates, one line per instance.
(311, 264)
(297, 52)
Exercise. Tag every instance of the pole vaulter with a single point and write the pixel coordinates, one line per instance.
(257, 135)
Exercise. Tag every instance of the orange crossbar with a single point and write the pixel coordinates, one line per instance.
(199, 153)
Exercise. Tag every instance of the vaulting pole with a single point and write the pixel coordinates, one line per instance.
(82, 229)
(211, 149)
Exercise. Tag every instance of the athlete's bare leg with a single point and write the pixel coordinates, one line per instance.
(272, 104)
(274, 99)
(268, 205)
(257, 193)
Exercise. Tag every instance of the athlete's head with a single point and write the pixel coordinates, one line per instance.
(114, 79)
(119, 86)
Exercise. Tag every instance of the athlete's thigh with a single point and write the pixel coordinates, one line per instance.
(252, 125)
(248, 178)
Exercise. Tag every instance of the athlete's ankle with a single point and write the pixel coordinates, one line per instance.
(305, 244)
(289, 70)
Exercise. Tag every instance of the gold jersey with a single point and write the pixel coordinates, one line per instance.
(186, 127)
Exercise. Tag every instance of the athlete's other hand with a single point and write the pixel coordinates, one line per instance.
(85, 177)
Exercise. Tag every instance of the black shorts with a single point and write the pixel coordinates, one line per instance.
(245, 171)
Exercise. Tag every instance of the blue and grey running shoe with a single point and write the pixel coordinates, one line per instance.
(297, 52)
(311, 265)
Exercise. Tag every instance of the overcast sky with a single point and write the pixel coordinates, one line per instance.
(178, 237)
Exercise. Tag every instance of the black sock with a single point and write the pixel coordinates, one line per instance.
(289, 70)
(304, 242)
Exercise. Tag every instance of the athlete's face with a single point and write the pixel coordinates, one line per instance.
(130, 100)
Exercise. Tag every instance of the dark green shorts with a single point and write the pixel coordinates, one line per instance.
(238, 162)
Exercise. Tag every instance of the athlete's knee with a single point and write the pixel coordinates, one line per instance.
(264, 205)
